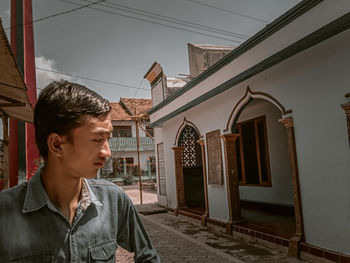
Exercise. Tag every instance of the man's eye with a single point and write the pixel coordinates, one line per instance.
(98, 140)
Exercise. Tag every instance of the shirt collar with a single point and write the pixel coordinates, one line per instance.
(37, 198)
(87, 196)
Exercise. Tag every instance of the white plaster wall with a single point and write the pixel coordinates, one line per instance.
(316, 18)
(281, 191)
(316, 83)
(143, 158)
(157, 92)
(166, 136)
(162, 199)
(312, 84)
(133, 127)
(206, 120)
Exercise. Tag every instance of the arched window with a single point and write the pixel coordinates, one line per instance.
(191, 155)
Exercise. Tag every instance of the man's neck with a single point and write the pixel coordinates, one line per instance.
(62, 190)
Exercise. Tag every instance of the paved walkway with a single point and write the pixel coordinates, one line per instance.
(133, 192)
(178, 240)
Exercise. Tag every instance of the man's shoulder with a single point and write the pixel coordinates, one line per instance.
(104, 186)
(12, 196)
(107, 192)
(102, 183)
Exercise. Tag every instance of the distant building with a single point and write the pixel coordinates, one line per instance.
(201, 57)
(123, 142)
(258, 140)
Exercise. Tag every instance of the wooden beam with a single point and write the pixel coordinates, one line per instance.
(12, 105)
(13, 86)
(2, 97)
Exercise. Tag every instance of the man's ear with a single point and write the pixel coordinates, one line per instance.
(54, 143)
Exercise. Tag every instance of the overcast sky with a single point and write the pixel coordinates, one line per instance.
(116, 44)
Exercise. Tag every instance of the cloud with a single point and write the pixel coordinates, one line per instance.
(44, 77)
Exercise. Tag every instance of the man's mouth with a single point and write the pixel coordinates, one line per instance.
(99, 164)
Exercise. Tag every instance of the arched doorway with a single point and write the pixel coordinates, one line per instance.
(280, 190)
(192, 168)
(263, 166)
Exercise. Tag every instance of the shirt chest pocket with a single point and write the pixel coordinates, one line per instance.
(37, 258)
(104, 252)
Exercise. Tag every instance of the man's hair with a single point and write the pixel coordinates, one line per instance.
(61, 107)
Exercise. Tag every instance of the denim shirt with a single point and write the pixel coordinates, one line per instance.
(32, 229)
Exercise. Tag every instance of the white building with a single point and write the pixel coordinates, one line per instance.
(259, 141)
(123, 143)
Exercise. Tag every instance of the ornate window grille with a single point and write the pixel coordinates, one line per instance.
(191, 155)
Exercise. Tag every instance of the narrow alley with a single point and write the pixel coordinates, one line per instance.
(178, 239)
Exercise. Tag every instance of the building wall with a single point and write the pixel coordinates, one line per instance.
(143, 154)
(157, 92)
(133, 127)
(310, 21)
(281, 191)
(170, 191)
(143, 158)
(312, 84)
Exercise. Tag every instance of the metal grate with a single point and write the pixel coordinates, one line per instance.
(191, 155)
(161, 169)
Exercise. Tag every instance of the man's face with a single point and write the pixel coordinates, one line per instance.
(86, 149)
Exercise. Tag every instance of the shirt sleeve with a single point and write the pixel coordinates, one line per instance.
(132, 235)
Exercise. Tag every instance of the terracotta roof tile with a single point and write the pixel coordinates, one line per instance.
(118, 113)
(141, 106)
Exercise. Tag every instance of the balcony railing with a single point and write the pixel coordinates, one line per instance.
(130, 144)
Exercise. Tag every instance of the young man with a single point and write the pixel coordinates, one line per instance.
(62, 214)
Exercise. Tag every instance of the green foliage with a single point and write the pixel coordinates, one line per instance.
(128, 179)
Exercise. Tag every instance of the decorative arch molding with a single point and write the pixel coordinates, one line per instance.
(346, 107)
(182, 126)
(246, 99)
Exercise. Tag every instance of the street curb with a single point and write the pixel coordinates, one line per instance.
(150, 209)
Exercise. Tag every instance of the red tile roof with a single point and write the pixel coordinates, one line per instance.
(118, 113)
(126, 107)
(137, 107)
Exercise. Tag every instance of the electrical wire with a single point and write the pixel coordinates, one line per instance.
(57, 14)
(138, 88)
(157, 23)
(171, 19)
(228, 11)
(95, 80)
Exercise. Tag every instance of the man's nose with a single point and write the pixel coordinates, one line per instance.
(105, 150)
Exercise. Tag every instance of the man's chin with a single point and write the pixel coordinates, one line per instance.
(92, 175)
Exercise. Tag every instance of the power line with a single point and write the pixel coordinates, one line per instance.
(157, 23)
(228, 11)
(175, 20)
(138, 88)
(58, 14)
(172, 20)
(95, 80)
